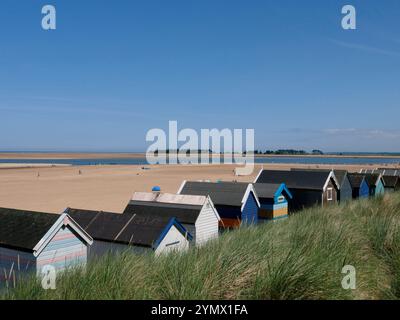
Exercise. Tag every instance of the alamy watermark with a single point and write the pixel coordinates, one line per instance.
(210, 146)
(349, 21)
(349, 280)
(49, 20)
(49, 275)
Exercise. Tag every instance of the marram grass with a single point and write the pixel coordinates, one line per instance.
(298, 258)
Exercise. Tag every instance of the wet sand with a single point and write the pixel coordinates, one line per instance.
(109, 187)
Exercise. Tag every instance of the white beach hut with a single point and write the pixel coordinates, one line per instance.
(196, 213)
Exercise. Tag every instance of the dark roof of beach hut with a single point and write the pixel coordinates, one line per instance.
(29, 230)
(390, 181)
(185, 213)
(221, 193)
(128, 228)
(369, 171)
(339, 174)
(24, 229)
(312, 180)
(389, 171)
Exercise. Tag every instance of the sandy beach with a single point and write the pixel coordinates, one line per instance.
(109, 187)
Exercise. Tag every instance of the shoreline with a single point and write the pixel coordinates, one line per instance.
(110, 155)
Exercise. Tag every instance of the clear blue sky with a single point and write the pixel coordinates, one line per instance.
(114, 69)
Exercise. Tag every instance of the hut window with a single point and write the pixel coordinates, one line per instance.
(330, 194)
(172, 243)
(281, 198)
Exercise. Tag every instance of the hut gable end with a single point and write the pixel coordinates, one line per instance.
(207, 223)
(65, 249)
(172, 240)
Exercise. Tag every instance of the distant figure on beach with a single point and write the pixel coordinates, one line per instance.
(79, 172)
(38, 174)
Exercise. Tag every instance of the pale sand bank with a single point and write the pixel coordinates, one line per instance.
(69, 156)
(108, 188)
(30, 165)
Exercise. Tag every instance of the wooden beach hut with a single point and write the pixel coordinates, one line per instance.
(391, 183)
(345, 191)
(196, 213)
(375, 184)
(308, 188)
(31, 240)
(236, 202)
(359, 185)
(273, 199)
(113, 232)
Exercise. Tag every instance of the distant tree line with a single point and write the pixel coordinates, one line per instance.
(288, 152)
(188, 152)
(256, 152)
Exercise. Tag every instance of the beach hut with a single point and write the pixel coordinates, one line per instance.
(359, 185)
(391, 183)
(375, 184)
(308, 188)
(273, 200)
(236, 202)
(196, 213)
(345, 191)
(113, 232)
(31, 240)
